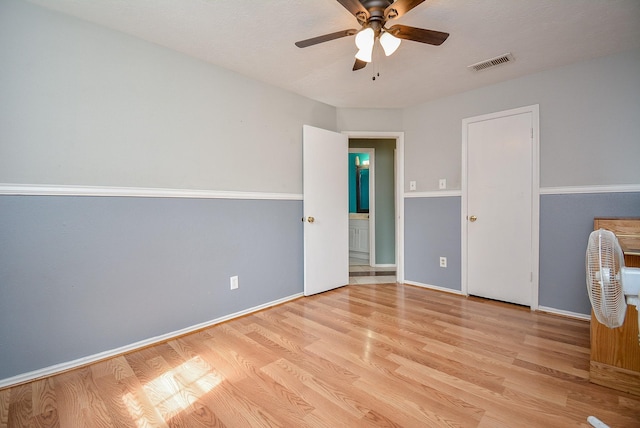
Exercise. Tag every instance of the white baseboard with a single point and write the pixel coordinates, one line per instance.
(435, 287)
(567, 314)
(69, 365)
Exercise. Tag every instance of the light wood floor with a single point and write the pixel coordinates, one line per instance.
(363, 355)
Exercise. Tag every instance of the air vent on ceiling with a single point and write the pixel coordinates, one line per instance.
(483, 65)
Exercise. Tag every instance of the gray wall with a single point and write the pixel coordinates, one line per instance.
(565, 224)
(385, 196)
(83, 275)
(85, 106)
(432, 230)
(589, 128)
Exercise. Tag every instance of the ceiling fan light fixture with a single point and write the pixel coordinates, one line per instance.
(389, 43)
(365, 39)
(373, 15)
(365, 54)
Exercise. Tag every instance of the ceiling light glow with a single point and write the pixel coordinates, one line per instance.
(389, 43)
(364, 41)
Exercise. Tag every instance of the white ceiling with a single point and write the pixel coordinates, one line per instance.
(256, 39)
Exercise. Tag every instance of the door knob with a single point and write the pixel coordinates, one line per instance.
(311, 219)
(473, 218)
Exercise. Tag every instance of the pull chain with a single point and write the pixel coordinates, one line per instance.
(376, 60)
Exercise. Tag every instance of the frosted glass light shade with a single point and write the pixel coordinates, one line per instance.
(365, 38)
(389, 43)
(364, 54)
(364, 41)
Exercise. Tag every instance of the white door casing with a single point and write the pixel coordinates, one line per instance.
(326, 210)
(500, 207)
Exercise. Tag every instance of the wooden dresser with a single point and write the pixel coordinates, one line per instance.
(615, 353)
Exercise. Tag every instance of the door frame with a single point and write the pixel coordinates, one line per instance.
(372, 200)
(399, 189)
(535, 195)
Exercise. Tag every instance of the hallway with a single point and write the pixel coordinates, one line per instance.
(361, 273)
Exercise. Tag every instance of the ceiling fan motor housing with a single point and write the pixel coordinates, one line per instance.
(377, 17)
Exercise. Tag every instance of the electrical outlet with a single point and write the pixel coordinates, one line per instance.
(443, 262)
(412, 185)
(234, 282)
(442, 183)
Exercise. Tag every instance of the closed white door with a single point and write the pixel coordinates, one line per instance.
(326, 210)
(499, 209)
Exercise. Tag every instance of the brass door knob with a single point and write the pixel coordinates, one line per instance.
(473, 218)
(311, 219)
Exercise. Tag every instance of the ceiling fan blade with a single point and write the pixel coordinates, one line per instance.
(421, 35)
(356, 9)
(325, 38)
(359, 64)
(400, 7)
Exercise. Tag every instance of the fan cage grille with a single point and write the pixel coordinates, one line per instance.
(604, 262)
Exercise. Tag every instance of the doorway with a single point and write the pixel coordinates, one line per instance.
(373, 232)
(362, 205)
(500, 206)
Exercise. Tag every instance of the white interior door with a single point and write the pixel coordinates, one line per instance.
(326, 210)
(499, 207)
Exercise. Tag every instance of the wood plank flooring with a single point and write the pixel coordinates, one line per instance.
(364, 355)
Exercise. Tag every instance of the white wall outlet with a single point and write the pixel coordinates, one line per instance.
(412, 185)
(443, 262)
(234, 282)
(442, 183)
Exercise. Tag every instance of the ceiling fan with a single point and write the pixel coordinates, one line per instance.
(373, 15)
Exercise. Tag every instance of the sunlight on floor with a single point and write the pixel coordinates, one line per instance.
(175, 390)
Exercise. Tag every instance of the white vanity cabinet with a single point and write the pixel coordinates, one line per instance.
(359, 238)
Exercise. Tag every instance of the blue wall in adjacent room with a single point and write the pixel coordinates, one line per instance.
(352, 180)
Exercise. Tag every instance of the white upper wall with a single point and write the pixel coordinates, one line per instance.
(84, 105)
(369, 119)
(589, 125)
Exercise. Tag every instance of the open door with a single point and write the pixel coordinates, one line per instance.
(326, 209)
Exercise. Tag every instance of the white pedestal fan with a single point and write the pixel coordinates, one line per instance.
(611, 285)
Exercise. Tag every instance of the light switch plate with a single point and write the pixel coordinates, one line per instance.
(442, 184)
(412, 185)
